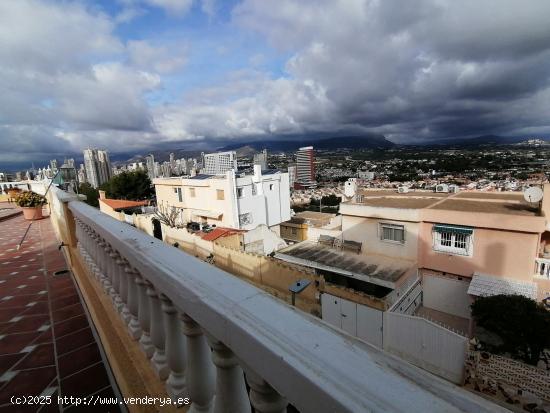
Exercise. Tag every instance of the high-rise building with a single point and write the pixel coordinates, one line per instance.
(261, 159)
(219, 163)
(150, 163)
(82, 174)
(291, 175)
(98, 167)
(53, 165)
(305, 167)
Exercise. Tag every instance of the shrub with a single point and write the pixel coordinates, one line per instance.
(520, 324)
(30, 200)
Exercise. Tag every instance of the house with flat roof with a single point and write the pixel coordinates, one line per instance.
(426, 255)
(229, 200)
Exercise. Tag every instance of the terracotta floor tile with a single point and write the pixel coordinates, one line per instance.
(68, 312)
(41, 356)
(74, 340)
(85, 382)
(71, 325)
(8, 360)
(27, 382)
(14, 343)
(79, 359)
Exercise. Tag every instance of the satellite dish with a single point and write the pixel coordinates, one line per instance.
(533, 194)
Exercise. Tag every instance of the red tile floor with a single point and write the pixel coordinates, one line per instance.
(47, 345)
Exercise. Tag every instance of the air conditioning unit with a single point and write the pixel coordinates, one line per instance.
(403, 189)
(454, 189)
(442, 188)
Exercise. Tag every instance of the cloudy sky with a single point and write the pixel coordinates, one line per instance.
(131, 74)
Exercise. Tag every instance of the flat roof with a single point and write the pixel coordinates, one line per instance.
(509, 208)
(375, 269)
(399, 202)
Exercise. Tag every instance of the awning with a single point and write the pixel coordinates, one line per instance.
(483, 285)
(206, 213)
(454, 229)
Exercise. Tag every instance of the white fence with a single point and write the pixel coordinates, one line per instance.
(426, 345)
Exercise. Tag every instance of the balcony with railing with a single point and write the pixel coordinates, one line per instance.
(171, 325)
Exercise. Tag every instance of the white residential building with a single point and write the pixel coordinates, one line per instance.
(98, 167)
(219, 163)
(229, 201)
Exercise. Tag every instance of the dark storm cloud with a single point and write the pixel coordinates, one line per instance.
(413, 70)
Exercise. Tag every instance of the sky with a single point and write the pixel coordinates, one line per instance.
(129, 75)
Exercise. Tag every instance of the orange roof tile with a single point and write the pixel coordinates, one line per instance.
(117, 204)
(218, 233)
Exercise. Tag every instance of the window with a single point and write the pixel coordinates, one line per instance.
(294, 231)
(220, 195)
(254, 189)
(452, 239)
(239, 192)
(392, 233)
(180, 196)
(271, 187)
(192, 192)
(245, 219)
(175, 190)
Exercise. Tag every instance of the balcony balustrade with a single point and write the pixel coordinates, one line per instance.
(231, 347)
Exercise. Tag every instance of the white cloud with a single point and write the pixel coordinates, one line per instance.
(176, 7)
(161, 59)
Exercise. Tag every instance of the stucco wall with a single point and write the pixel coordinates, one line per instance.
(446, 294)
(498, 253)
(366, 230)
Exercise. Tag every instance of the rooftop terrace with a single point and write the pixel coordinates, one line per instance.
(172, 325)
(48, 345)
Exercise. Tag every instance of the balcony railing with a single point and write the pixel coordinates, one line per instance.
(211, 336)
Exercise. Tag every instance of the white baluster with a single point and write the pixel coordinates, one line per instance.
(176, 350)
(159, 362)
(133, 303)
(117, 268)
(263, 397)
(144, 316)
(200, 374)
(231, 396)
(124, 311)
(106, 268)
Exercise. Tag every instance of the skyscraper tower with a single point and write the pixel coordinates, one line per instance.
(305, 167)
(98, 167)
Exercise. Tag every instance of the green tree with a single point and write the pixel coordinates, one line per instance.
(521, 325)
(92, 194)
(134, 186)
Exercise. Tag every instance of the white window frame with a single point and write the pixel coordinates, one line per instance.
(392, 226)
(453, 239)
(180, 194)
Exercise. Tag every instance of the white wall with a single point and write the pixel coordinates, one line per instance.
(426, 345)
(446, 294)
(262, 240)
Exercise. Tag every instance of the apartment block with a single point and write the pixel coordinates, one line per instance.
(97, 166)
(240, 202)
(219, 163)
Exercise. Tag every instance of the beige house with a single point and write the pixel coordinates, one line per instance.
(240, 202)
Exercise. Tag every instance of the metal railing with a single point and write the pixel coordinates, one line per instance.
(209, 334)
